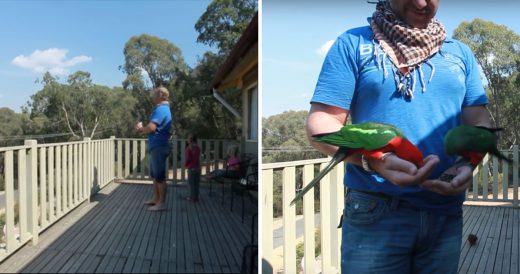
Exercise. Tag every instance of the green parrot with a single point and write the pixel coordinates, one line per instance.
(371, 139)
(473, 142)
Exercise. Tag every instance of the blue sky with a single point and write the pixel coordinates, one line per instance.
(295, 35)
(66, 36)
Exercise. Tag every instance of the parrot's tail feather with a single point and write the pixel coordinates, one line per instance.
(338, 158)
(502, 157)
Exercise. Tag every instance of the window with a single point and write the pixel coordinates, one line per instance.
(253, 114)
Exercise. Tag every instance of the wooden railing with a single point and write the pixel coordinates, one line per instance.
(493, 181)
(132, 160)
(331, 203)
(44, 182)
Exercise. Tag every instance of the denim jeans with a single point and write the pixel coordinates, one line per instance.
(382, 234)
(194, 181)
(158, 158)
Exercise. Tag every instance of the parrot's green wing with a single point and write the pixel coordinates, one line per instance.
(365, 135)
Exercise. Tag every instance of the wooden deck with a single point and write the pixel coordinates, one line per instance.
(497, 248)
(116, 234)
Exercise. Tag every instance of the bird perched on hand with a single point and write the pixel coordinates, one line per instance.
(472, 239)
(371, 139)
(473, 142)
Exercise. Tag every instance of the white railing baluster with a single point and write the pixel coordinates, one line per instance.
(266, 202)
(325, 221)
(127, 158)
(289, 220)
(142, 158)
(43, 188)
(495, 179)
(308, 218)
(58, 185)
(32, 180)
(51, 189)
(23, 194)
(9, 201)
(515, 175)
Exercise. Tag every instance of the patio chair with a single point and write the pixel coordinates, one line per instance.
(229, 179)
(246, 187)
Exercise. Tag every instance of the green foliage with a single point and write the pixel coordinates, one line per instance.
(223, 22)
(284, 138)
(160, 61)
(10, 125)
(198, 111)
(497, 49)
(80, 108)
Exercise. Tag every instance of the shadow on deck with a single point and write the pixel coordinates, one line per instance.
(116, 234)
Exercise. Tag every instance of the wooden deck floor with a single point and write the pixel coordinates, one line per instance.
(118, 235)
(497, 248)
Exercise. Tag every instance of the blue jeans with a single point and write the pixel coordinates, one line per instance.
(194, 181)
(382, 234)
(158, 156)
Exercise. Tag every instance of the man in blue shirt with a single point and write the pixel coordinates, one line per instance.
(401, 70)
(158, 130)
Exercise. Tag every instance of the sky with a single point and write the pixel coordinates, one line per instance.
(63, 37)
(296, 35)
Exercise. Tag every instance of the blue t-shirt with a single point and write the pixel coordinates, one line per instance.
(162, 117)
(352, 78)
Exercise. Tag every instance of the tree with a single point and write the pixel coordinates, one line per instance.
(497, 49)
(10, 126)
(202, 114)
(223, 23)
(80, 108)
(150, 62)
(284, 138)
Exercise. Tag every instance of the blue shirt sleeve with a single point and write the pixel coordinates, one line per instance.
(475, 92)
(337, 80)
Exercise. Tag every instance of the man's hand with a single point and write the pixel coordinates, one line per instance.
(139, 126)
(463, 175)
(403, 173)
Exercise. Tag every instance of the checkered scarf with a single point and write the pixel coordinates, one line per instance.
(405, 46)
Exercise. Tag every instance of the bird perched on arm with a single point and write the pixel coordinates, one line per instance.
(472, 143)
(371, 139)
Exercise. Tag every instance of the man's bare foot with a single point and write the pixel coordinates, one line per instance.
(157, 207)
(149, 202)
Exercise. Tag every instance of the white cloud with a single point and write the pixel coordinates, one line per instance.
(53, 60)
(322, 51)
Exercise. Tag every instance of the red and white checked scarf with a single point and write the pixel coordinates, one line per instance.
(405, 46)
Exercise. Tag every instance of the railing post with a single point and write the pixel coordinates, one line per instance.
(88, 187)
(325, 217)
(111, 164)
(515, 175)
(183, 159)
(174, 159)
(32, 177)
(266, 202)
(308, 220)
(289, 220)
